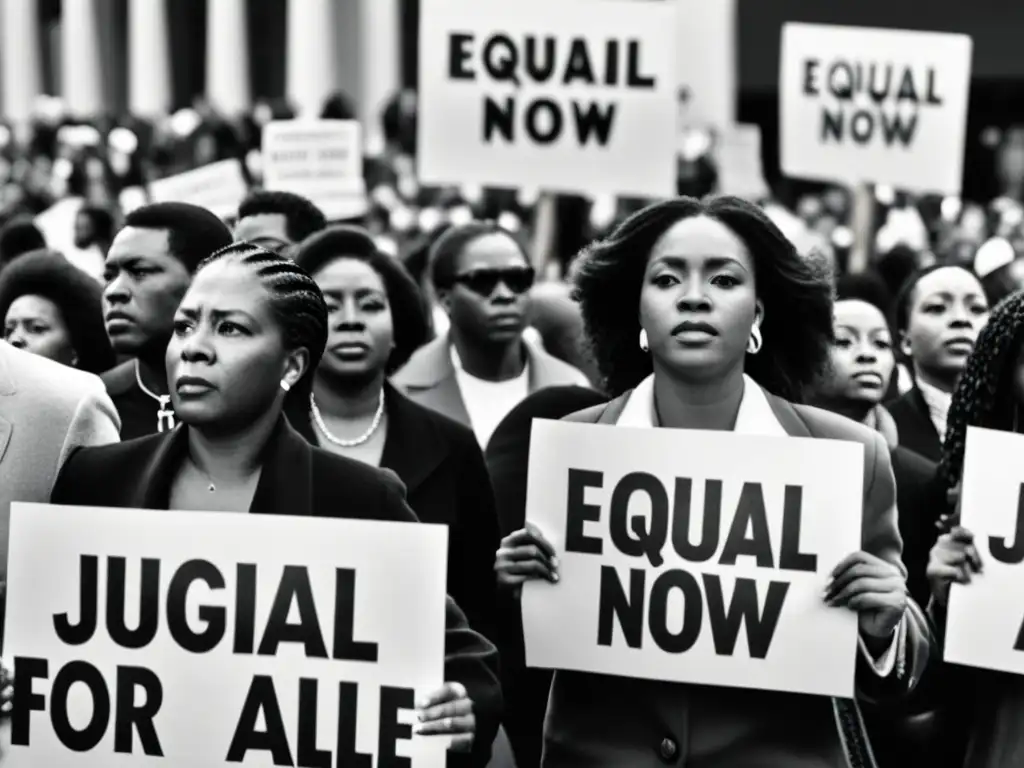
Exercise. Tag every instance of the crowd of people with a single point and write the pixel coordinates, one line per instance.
(281, 361)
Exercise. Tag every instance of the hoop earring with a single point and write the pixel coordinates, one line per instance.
(643, 340)
(754, 345)
(285, 385)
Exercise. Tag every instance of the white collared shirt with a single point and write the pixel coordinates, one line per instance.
(755, 417)
(938, 403)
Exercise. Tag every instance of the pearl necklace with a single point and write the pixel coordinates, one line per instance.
(319, 420)
(165, 414)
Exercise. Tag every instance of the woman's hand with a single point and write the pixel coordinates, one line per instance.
(953, 558)
(448, 711)
(872, 587)
(524, 555)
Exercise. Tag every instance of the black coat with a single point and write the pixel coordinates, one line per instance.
(446, 482)
(916, 430)
(297, 479)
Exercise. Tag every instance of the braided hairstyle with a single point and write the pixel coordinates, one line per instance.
(984, 395)
(296, 303)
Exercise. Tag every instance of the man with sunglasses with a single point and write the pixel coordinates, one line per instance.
(483, 367)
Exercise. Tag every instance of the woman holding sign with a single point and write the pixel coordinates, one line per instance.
(248, 335)
(703, 316)
(990, 394)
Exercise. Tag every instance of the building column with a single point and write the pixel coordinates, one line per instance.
(149, 74)
(227, 57)
(20, 58)
(81, 67)
(380, 56)
(311, 74)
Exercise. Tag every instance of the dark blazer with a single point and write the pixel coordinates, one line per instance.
(599, 720)
(446, 481)
(297, 479)
(137, 410)
(920, 504)
(916, 430)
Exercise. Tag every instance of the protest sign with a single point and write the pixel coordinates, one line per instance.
(319, 159)
(874, 105)
(564, 95)
(693, 556)
(218, 187)
(738, 155)
(146, 638)
(985, 619)
(706, 58)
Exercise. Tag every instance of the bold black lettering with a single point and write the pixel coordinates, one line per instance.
(245, 608)
(611, 63)
(88, 611)
(458, 55)
(261, 698)
(307, 755)
(594, 122)
(578, 512)
(908, 91)
(682, 520)
(149, 606)
(541, 71)
(348, 716)
(391, 701)
(1000, 548)
(811, 77)
(645, 542)
(895, 128)
(879, 93)
(500, 118)
(503, 65)
(932, 97)
(693, 611)
(862, 126)
(612, 603)
(23, 701)
(215, 617)
(1017, 646)
(832, 125)
(130, 717)
(725, 625)
(790, 556)
(345, 647)
(579, 66)
(87, 738)
(840, 80)
(294, 586)
(633, 77)
(750, 514)
(535, 126)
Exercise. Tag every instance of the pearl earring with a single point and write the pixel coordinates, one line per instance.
(643, 340)
(285, 385)
(754, 345)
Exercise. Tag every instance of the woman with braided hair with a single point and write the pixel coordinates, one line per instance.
(990, 394)
(247, 335)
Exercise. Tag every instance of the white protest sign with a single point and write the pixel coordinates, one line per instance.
(563, 95)
(874, 105)
(219, 187)
(145, 638)
(697, 557)
(738, 157)
(319, 159)
(707, 60)
(985, 619)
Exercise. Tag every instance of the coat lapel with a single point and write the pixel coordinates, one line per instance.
(167, 451)
(286, 482)
(413, 449)
(429, 379)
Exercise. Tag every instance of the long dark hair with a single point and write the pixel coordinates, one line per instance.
(796, 293)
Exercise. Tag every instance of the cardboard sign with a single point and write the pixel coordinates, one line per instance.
(321, 160)
(694, 557)
(564, 95)
(219, 187)
(985, 619)
(874, 105)
(144, 638)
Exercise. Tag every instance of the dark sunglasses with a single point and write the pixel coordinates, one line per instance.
(484, 281)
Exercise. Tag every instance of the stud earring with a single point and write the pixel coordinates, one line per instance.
(285, 385)
(754, 345)
(643, 340)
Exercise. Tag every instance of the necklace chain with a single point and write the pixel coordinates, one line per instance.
(165, 414)
(319, 420)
